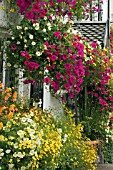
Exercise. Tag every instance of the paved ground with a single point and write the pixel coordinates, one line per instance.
(105, 167)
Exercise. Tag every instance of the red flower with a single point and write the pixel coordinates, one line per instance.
(111, 119)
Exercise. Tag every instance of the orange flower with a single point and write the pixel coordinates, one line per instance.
(1, 125)
(12, 107)
(1, 85)
(7, 96)
(14, 96)
(10, 115)
(1, 109)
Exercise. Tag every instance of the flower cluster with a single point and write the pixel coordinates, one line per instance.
(34, 139)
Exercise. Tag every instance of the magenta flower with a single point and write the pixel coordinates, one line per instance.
(13, 46)
(25, 54)
(93, 44)
(29, 15)
(58, 75)
(31, 65)
(67, 86)
(20, 3)
(47, 80)
(67, 65)
(53, 58)
(36, 8)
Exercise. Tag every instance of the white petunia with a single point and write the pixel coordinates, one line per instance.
(1, 154)
(15, 66)
(44, 30)
(8, 151)
(8, 64)
(49, 24)
(38, 53)
(33, 43)
(26, 28)
(21, 133)
(49, 28)
(18, 27)
(25, 40)
(18, 42)
(31, 36)
(20, 155)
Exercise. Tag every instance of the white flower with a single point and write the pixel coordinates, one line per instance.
(15, 66)
(38, 53)
(20, 36)
(31, 36)
(23, 168)
(16, 145)
(25, 40)
(12, 38)
(10, 166)
(65, 137)
(49, 24)
(18, 42)
(18, 27)
(8, 151)
(20, 155)
(23, 119)
(1, 154)
(1, 150)
(21, 133)
(21, 32)
(8, 64)
(33, 43)
(49, 28)
(37, 28)
(31, 152)
(44, 30)
(25, 46)
(26, 28)
(45, 18)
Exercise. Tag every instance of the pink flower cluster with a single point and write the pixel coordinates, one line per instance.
(66, 70)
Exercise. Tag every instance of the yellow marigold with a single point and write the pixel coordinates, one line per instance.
(1, 125)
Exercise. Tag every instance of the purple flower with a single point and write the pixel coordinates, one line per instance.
(29, 15)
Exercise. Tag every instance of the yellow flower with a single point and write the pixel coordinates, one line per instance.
(12, 10)
(2, 7)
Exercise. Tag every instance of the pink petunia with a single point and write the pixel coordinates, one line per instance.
(29, 15)
(36, 8)
(47, 80)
